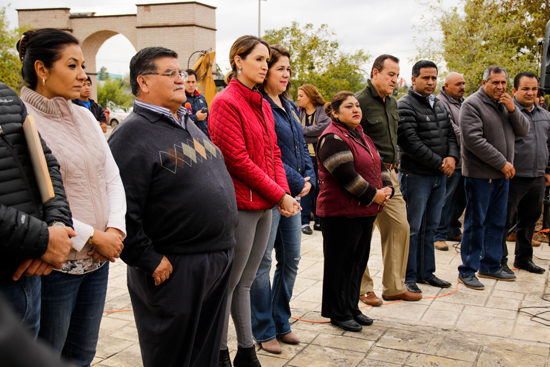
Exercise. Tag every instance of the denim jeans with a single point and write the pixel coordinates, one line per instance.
(424, 196)
(72, 308)
(484, 221)
(271, 304)
(309, 202)
(454, 183)
(24, 298)
(455, 225)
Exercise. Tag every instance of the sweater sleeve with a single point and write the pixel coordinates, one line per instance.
(136, 173)
(338, 159)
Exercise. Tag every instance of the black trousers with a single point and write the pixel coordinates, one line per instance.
(180, 322)
(524, 208)
(346, 248)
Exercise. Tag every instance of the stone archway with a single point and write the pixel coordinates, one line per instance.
(184, 27)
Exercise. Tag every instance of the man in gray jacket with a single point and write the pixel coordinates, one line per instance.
(489, 122)
(532, 174)
(452, 95)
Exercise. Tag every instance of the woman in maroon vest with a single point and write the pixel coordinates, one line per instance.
(354, 187)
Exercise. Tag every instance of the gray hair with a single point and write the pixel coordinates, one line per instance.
(493, 69)
(144, 62)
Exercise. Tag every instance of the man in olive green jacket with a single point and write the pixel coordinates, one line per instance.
(379, 122)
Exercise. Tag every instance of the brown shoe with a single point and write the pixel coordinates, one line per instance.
(371, 299)
(536, 243)
(289, 338)
(441, 245)
(271, 346)
(407, 296)
(457, 238)
(511, 237)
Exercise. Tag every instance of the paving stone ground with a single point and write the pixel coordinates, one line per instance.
(464, 328)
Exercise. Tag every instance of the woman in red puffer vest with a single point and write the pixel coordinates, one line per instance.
(354, 187)
(241, 124)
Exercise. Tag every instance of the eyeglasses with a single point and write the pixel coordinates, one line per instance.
(173, 74)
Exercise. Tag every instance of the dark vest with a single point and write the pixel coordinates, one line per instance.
(336, 201)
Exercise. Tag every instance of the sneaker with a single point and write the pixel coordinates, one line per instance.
(498, 275)
(506, 269)
(441, 246)
(306, 229)
(471, 282)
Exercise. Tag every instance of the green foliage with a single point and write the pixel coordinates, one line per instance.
(10, 66)
(315, 59)
(480, 33)
(103, 74)
(117, 91)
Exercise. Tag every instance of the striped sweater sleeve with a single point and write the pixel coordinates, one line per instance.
(337, 158)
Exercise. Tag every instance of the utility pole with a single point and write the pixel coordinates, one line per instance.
(259, 18)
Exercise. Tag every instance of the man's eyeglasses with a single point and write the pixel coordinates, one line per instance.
(173, 74)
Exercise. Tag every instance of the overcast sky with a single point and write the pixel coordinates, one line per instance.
(374, 26)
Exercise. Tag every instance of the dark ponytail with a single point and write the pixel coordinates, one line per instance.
(44, 44)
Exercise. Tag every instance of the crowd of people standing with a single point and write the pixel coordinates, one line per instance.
(196, 201)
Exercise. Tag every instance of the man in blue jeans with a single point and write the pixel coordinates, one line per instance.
(490, 122)
(451, 94)
(429, 152)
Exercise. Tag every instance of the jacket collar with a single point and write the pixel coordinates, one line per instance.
(52, 106)
(422, 98)
(444, 94)
(485, 98)
(195, 94)
(274, 105)
(536, 107)
(253, 96)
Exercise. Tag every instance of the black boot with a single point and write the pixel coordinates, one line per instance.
(246, 357)
(223, 359)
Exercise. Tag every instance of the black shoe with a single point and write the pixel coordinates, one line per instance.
(223, 359)
(436, 282)
(306, 229)
(317, 226)
(412, 287)
(246, 357)
(349, 325)
(506, 269)
(363, 320)
(530, 267)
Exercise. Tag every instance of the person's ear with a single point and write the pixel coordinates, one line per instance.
(142, 82)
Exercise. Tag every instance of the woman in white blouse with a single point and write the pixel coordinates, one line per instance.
(74, 296)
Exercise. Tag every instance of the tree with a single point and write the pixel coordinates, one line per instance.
(115, 90)
(480, 33)
(103, 74)
(315, 59)
(10, 66)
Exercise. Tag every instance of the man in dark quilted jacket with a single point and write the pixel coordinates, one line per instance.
(428, 155)
(34, 237)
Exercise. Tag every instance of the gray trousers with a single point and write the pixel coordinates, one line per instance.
(251, 235)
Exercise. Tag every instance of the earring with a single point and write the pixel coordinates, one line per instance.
(43, 81)
(240, 71)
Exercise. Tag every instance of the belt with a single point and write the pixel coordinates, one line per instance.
(390, 166)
